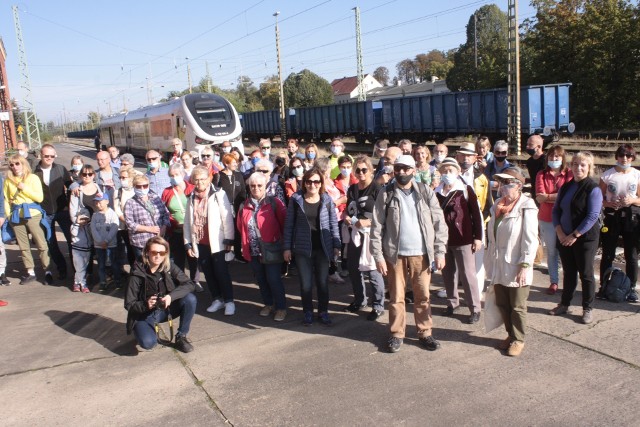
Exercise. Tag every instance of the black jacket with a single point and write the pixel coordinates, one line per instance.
(135, 299)
(55, 194)
(234, 186)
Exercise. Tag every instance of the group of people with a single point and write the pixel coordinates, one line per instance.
(411, 215)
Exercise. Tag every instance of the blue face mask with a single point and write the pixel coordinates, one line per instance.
(141, 192)
(448, 179)
(76, 167)
(151, 165)
(311, 156)
(176, 180)
(255, 160)
(623, 167)
(554, 164)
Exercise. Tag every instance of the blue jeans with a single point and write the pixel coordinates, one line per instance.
(549, 237)
(313, 268)
(216, 273)
(64, 222)
(102, 255)
(145, 332)
(269, 280)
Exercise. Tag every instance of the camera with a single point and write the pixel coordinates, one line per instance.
(160, 302)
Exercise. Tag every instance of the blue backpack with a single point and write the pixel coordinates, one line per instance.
(615, 285)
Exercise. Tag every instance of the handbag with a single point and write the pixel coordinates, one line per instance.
(271, 252)
(8, 235)
(492, 316)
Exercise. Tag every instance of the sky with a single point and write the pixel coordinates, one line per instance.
(103, 56)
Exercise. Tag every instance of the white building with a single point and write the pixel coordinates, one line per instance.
(346, 89)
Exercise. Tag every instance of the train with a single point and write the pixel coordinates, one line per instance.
(198, 119)
(544, 110)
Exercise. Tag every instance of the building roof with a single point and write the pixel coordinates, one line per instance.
(422, 88)
(345, 85)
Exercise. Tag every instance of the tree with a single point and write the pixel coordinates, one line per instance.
(270, 93)
(307, 89)
(247, 93)
(94, 119)
(433, 64)
(406, 71)
(381, 74)
(491, 32)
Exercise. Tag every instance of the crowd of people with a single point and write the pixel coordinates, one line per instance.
(467, 214)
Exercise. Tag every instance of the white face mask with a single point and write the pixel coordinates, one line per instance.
(76, 167)
(439, 158)
(266, 151)
(336, 150)
(216, 158)
(23, 153)
(298, 171)
(226, 150)
(346, 172)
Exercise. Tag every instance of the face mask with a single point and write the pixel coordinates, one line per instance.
(280, 162)
(439, 158)
(404, 179)
(141, 192)
(176, 180)
(387, 169)
(266, 151)
(336, 150)
(126, 185)
(554, 164)
(501, 158)
(76, 168)
(311, 156)
(465, 165)
(226, 150)
(255, 160)
(298, 171)
(345, 172)
(448, 178)
(216, 158)
(22, 153)
(623, 167)
(152, 165)
(531, 151)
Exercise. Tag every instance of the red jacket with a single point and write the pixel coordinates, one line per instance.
(168, 194)
(343, 191)
(270, 223)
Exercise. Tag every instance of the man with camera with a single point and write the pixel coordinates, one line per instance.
(157, 292)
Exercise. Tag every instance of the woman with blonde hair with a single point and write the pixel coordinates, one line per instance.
(22, 192)
(310, 156)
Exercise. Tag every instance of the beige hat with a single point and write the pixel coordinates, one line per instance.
(468, 148)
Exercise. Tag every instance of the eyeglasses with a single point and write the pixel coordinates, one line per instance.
(88, 174)
(501, 153)
(256, 186)
(151, 159)
(362, 170)
(157, 253)
(262, 171)
(48, 156)
(206, 156)
(402, 168)
(313, 182)
(142, 186)
(15, 164)
(627, 155)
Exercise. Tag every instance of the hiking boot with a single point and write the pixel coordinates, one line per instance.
(633, 296)
(374, 314)
(515, 348)
(48, 278)
(553, 288)
(30, 278)
(587, 316)
(324, 318)
(430, 343)
(215, 306)
(3, 280)
(504, 344)
(354, 308)
(558, 310)
(393, 345)
(474, 318)
(183, 344)
(280, 315)
(308, 318)
(266, 311)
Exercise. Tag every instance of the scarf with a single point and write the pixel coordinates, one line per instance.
(199, 214)
(502, 208)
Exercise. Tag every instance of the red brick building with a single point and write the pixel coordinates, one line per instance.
(7, 126)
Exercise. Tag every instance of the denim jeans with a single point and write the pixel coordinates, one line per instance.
(313, 268)
(185, 308)
(359, 280)
(269, 280)
(64, 222)
(81, 261)
(216, 273)
(549, 237)
(102, 255)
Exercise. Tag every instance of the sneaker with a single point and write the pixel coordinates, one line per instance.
(48, 278)
(30, 278)
(408, 297)
(199, 288)
(393, 345)
(430, 343)
(558, 310)
(474, 318)
(103, 287)
(354, 308)
(515, 348)
(374, 314)
(633, 296)
(449, 311)
(600, 294)
(215, 306)
(76, 287)
(308, 318)
(324, 318)
(266, 311)
(229, 308)
(587, 316)
(3, 280)
(335, 278)
(280, 315)
(553, 288)
(442, 293)
(505, 344)
(183, 344)
(3, 303)
(85, 290)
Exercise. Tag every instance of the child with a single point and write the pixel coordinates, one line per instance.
(80, 246)
(104, 229)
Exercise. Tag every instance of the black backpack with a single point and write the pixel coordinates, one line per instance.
(615, 285)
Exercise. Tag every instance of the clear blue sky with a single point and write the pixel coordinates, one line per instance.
(92, 55)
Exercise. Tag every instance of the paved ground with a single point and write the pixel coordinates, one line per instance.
(68, 361)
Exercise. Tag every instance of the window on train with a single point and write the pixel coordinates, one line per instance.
(211, 114)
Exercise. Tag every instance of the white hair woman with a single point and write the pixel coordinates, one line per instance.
(274, 189)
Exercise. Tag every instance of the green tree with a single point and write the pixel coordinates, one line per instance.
(306, 89)
(248, 94)
(381, 74)
(432, 64)
(93, 119)
(491, 32)
(270, 93)
(407, 72)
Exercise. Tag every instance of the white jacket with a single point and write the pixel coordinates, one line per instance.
(219, 219)
(104, 228)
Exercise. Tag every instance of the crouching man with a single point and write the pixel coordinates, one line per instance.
(157, 292)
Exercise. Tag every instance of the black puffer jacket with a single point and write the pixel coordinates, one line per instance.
(135, 301)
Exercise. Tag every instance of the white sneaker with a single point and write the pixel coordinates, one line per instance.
(442, 293)
(229, 309)
(335, 278)
(215, 306)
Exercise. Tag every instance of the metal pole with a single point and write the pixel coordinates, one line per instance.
(362, 95)
(283, 121)
(189, 74)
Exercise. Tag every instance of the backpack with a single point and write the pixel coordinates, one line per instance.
(615, 285)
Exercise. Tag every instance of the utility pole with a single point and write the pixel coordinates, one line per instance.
(31, 122)
(206, 64)
(475, 45)
(513, 78)
(189, 74)
(283, 118)
(362, 95)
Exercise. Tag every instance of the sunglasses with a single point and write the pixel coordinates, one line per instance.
(206, 156)
(362, 170)
(627, 155)
(313, 182)
(402, 168)
(501, 153)
(157, 253)
(142, 186)
(49, 156)
(262, 171)
(124, 177)
(15, 164)
(88, 174)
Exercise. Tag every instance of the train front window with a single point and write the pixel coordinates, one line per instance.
(212, 115)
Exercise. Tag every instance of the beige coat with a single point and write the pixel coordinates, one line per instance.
(219, 218)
